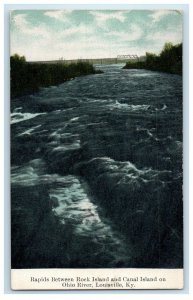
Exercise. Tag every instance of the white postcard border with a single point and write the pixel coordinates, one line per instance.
(96, 279)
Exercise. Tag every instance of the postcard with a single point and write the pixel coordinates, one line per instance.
(96, 149)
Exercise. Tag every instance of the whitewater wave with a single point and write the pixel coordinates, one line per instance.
(66, 147)
(74, 208)
(163, 108)
(135, 107)
(17, 117)
(29, 131)
(130, 107)
(127, 172)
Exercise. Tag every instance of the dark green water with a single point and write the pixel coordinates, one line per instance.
(97, 172)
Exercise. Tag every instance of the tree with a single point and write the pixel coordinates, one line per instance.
(17, 58)
(167, 46)
(151, 59)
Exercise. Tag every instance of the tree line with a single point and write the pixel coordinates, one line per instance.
(169, 60)
(27, 78)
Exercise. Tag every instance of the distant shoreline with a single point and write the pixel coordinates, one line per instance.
(101, 60)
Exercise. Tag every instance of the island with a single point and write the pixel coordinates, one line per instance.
(28, 78)
(169, 60)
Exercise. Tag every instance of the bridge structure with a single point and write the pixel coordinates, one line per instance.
(128, 57)
(101, 61)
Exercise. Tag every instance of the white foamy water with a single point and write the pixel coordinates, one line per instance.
(72, 206)
(75, 208)
(144, 74)
(29, 174)
(29, 131)
(66, 147)
(149, 132)
(127, 172)
(128, 107)
(20, 117)
(163, 108)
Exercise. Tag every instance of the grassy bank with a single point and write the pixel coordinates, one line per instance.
(169, 60)
(27, 78)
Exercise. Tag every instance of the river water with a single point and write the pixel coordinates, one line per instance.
(97, 172)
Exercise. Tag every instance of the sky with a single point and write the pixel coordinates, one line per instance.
(78, 34)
